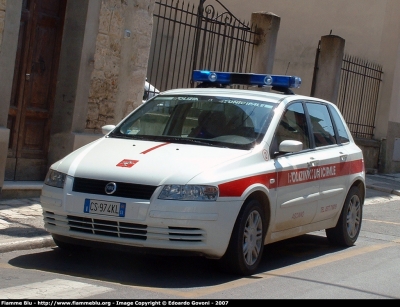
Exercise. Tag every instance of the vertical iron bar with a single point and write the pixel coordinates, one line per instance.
(200, 11)
(176, 47)
(158, 75)
(316, 61)
(363, 101)
(194, 47)
(186, 74)
(169, 46)
(150, 77)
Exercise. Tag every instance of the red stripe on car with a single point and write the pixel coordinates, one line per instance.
(152, 148)
(291, 177)
(235, 188)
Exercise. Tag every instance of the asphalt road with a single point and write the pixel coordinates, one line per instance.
(306, 267)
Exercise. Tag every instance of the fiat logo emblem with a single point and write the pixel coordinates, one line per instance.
(111, 187)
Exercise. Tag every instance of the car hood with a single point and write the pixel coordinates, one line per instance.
(144, 162)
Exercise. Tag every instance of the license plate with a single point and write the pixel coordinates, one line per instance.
(104, 207)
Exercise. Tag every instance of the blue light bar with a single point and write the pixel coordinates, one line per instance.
(229, 78)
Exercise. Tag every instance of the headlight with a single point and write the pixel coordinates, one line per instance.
(189, 192)
(55, 179)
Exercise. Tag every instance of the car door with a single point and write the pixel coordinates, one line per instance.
(331, 169)
(297, 192)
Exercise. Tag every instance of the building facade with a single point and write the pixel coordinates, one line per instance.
(93, 75)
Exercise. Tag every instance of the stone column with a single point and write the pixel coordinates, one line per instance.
(327, 79)
(267, 26)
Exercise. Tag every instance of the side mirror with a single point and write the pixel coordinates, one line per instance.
(107, 128)
(289, 146)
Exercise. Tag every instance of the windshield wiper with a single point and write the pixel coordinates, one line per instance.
(134, 136)
(204, 142)
(171, 139)
(118, 136)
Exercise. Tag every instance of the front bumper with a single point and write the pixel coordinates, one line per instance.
(186, 226)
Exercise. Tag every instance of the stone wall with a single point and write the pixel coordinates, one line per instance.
(2, 16)
(121, 56)
(372, 154)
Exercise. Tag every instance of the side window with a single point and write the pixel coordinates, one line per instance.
(322, 126)
(340, 126)
(293, 126)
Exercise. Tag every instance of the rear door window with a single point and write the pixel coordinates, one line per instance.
(322, 125)
(340, 126)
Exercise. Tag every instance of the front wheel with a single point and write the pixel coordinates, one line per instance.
(247, 241)
(348, 227)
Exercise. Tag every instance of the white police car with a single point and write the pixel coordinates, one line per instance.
(212, 171)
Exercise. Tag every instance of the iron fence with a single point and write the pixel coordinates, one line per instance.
(358, 95)
(188, 37)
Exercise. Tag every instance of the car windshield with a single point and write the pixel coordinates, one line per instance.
(204, 120)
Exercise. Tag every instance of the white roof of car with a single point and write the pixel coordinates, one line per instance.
(238, 93)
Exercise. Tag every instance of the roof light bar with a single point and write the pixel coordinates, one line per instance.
(228, 78)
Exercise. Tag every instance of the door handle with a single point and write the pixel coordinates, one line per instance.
(28, 77)
(312, 163)
(343, 158)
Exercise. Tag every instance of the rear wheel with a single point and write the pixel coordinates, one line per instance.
(247, 241)
(348, 227)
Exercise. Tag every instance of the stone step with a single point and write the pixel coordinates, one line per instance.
(21, 189)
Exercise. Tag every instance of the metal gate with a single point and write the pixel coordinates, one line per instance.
(358, 95)
(188, 37)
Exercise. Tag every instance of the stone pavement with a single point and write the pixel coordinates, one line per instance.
(389, 183)
(21, 225)
(21, 220)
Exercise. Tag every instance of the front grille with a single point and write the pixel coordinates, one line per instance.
(182, 234)
(128, 190)
(107, 228)
(126, 230)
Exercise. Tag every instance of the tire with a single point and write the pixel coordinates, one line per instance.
(348, 227)
(246, 245)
